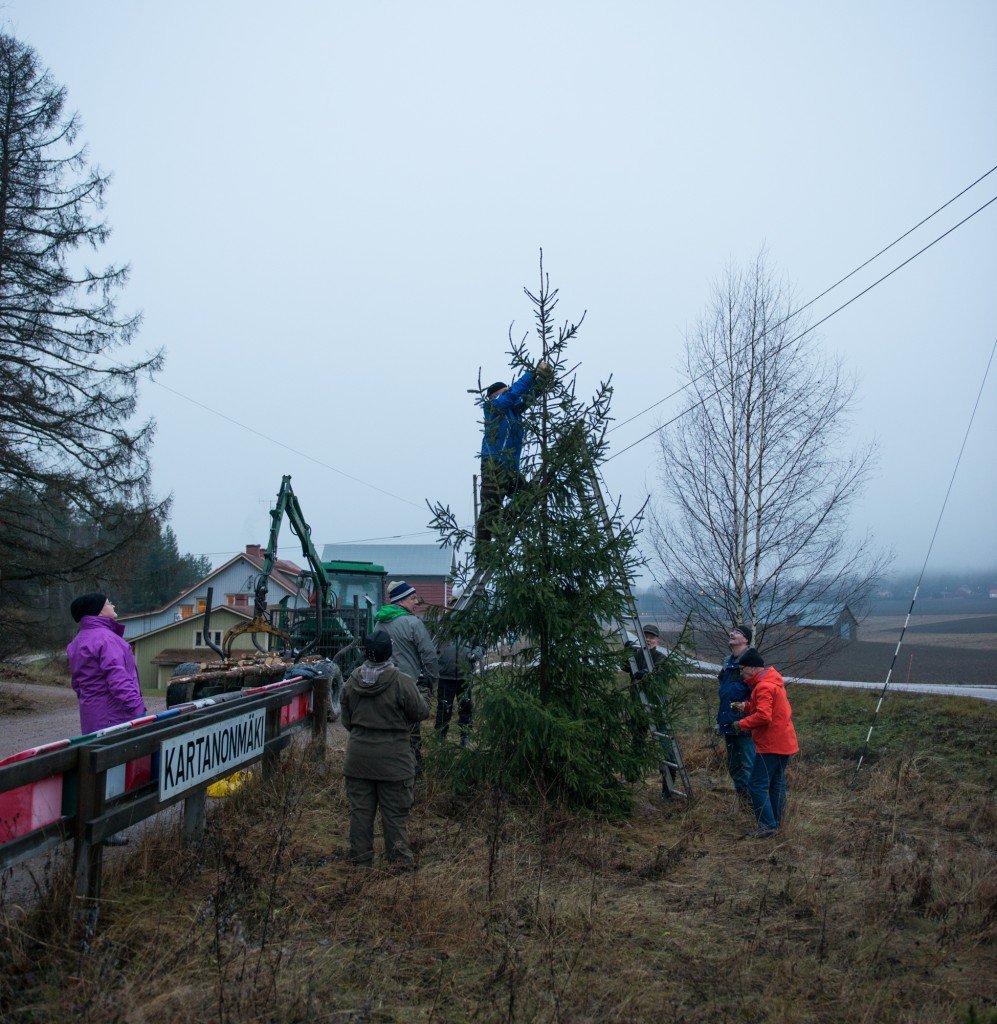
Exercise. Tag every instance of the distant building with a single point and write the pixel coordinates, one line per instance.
(428, 567)
(158, 652)
(168, 636)
(830, 619)
(233, 584)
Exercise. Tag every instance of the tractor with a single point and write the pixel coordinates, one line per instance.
(324, 636)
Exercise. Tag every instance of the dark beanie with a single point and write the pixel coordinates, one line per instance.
(377, 646)
(751, 659)
(745, 631)
(497, 386)
(87, 604)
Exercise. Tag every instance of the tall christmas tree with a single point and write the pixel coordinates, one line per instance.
(564, 719)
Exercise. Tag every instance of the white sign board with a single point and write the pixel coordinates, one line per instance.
(196, 757)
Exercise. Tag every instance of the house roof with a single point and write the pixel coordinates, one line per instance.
(817, 613)
(282, 575)
(398, 559)
(197, 621)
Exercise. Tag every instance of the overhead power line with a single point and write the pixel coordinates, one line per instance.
(286, 447)
(414, 504)
(802, 334)
(817, 298)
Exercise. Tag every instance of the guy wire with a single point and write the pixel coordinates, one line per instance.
(917, 586)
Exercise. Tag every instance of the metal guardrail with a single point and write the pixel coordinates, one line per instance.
(92, 787)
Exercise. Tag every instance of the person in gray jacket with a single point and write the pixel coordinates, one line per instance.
(412, 646)
(380, 706)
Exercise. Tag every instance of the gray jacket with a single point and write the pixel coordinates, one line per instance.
(412, 647)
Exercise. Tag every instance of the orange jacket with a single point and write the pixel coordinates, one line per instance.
(769, 716)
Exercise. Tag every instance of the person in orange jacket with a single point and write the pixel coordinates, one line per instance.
(769, 719)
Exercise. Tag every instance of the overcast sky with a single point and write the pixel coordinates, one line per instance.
(331, 209)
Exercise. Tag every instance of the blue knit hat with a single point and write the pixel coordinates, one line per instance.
(398, 590)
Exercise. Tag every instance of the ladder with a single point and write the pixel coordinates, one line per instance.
(675, 781)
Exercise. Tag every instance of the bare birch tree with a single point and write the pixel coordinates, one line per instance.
(758, 477)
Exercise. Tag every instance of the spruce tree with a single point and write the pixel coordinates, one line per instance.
(563, 720)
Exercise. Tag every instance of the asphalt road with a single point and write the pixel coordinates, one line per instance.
(949, 690)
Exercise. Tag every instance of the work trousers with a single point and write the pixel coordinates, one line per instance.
(395, 801)
(740, 760)
(497, 484)
(767, 789)
(453, 691)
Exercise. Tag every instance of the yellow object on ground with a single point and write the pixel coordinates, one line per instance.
(228, 785)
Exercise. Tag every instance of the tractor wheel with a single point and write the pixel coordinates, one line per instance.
(181, 692)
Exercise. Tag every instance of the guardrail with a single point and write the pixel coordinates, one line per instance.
(91, 787)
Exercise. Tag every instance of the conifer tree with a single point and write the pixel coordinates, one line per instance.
(564, 719)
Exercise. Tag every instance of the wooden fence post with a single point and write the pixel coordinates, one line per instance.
(194, 815)
(320, 713)
(271, 732)
(88, 859)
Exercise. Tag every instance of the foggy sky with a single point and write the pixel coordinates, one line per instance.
(331, 209)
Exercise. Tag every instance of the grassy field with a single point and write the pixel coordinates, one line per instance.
(876, 904)
(946, 649)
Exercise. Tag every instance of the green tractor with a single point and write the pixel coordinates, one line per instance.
(326, 633)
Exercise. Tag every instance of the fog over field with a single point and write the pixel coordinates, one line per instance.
(331, 210)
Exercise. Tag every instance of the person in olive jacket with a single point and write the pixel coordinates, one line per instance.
(769, 718)
(380, 706)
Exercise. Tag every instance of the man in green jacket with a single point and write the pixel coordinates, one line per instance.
(412, 647)
(380, 706)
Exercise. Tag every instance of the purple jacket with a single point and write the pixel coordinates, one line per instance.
(104, 674)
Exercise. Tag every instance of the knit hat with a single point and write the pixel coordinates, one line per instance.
(398, 590)
(377, 646)
(493, 388)
(751, 659)
(650, 629)
(745, 631)
(87, 604)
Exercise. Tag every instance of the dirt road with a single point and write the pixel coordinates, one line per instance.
(54, 716)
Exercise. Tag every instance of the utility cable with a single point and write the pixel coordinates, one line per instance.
(917, 586)
(802, 334)
(407, 501)
(281, 444)
(816, 298)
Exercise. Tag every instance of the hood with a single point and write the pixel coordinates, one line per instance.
(374, 677)
(99, 622)
(388, 612)
(768, 675)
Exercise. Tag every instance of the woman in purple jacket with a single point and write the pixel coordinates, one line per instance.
(102, 665)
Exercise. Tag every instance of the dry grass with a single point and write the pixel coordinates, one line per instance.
(13, 702)
(877, 905)
(48, 671)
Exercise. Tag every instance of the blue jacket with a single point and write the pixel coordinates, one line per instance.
(732, 687)
(502, 441)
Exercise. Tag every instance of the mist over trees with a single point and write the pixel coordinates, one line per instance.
(74, 494)
(757, 481)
